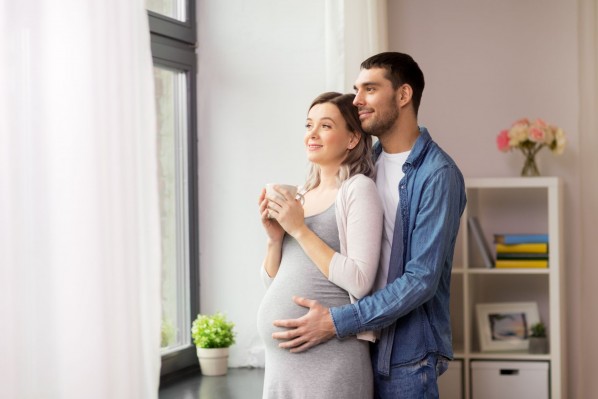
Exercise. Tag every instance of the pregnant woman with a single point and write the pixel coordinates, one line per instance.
(328, 250)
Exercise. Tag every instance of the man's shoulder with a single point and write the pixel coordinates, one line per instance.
(428, 153)
(437, 155)
(438, 176)
(433, 158)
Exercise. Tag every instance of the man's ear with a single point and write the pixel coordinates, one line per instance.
(404, 95)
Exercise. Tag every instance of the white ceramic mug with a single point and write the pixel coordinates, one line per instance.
(293, 190)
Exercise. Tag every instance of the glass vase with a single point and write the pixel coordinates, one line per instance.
(529, 167)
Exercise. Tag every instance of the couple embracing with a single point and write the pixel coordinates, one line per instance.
(367, 254)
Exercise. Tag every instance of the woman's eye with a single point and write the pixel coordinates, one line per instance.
(326, 126)
(308, 126)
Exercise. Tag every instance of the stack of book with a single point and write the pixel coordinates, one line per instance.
(521, 250)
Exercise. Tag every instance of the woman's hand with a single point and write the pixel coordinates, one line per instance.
(274, 231)
(287, 211)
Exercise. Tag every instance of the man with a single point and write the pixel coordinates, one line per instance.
(423, 194)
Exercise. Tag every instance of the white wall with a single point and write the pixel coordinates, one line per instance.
(260, 65)
(487, 63)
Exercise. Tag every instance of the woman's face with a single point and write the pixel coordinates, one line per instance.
(327, 137)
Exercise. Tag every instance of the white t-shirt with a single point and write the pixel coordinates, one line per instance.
(389, 172)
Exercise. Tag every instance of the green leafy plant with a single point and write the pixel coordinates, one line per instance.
(212, 331)
(538, 330)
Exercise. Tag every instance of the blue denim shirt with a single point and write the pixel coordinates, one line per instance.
(412, 311)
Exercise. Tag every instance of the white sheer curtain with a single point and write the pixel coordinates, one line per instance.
(79, 228)
(355, 30)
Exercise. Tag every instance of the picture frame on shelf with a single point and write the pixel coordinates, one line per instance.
(505, 326)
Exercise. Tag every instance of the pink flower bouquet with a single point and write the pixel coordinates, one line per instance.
(533, 135)
(530, 137)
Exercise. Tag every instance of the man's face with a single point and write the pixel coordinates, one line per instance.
(376, 101)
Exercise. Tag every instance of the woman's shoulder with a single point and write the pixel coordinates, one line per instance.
(359, 192)
(358, 188)
(359, 182)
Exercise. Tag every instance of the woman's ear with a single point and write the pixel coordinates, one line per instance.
(353, 141)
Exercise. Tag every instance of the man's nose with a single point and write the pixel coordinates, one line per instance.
(358, 100)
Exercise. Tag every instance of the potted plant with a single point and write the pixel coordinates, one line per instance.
(212, 335)
(538, 343)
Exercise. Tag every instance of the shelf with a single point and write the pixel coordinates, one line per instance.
(480, 270)
(507, 356)
(511, 182)
(460, 355)
(509, 205)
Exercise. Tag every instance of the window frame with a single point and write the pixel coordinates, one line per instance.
(173, 46)
(184, 31)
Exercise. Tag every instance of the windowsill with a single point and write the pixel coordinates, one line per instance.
(238, 383)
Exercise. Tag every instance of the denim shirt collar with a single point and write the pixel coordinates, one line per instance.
(414, 158)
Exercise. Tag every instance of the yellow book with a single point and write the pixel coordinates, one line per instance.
(521, 263)
(518, 248)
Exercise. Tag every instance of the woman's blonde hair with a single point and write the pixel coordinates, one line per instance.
(359, 158)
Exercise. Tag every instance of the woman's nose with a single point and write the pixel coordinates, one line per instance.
(312, 133)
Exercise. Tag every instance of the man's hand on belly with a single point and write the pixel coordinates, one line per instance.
(307, 331)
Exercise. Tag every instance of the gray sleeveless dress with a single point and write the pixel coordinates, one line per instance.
(336, 369)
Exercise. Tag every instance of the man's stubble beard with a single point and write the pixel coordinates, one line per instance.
(385, 122)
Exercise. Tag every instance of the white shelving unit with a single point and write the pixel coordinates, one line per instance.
(509, 205)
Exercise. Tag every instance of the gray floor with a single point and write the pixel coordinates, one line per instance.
(239, 383)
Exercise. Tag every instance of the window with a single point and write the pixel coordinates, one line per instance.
(173, 52)
(175, 9)
(173, 18)
(172, 113)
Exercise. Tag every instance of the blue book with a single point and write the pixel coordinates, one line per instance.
(520, 238)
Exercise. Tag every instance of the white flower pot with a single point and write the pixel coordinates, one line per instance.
(213, 361)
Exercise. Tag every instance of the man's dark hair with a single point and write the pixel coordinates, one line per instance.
(400, 69)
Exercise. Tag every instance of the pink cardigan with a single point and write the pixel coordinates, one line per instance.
(360, 218)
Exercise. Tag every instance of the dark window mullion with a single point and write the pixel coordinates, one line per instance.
(173, 46)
